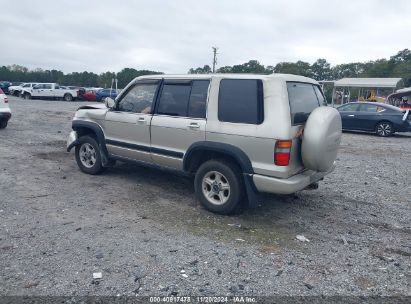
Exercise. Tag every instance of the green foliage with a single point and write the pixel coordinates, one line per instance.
(398, 65)
(299, 68)
(204, 70)
(85, 79)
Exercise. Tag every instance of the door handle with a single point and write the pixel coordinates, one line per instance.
(141, 119)
(194, 125)
(351, 115)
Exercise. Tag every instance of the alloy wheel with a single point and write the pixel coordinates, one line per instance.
(87, 155)
(384, 129)
(216, 188)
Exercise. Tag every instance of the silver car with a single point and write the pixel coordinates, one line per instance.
(238, 135)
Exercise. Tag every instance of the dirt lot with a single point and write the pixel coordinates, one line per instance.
(147, 235)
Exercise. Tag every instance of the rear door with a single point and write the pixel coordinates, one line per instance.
(48, 90)
(179, 120)
(303, 98)
(367, 117)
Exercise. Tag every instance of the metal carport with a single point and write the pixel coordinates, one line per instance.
(375, 83)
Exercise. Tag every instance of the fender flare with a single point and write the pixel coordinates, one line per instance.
(77, 125)
(239, 156)
(230, 150)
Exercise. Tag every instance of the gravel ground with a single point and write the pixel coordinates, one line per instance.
(145, 232)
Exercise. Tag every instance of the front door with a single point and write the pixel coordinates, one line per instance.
(348, 113)
(127, 126)
(179, 120)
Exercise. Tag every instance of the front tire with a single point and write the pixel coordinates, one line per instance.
(88, 156)
(27, 96)
(384, 129)
(3, 124)
(219, 187)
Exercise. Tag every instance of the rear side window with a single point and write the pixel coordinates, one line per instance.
(174, 99)
(184, 98)
(370, 108)
(241, 101)
(198, 99)
(320, 96)
(303, 100)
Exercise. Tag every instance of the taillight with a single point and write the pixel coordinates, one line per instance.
(282, 152)
(6, 100)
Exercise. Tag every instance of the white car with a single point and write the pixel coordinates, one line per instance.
(5, 112)
(49, 91)
(16, 90)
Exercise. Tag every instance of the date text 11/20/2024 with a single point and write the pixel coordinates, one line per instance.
(203, 299)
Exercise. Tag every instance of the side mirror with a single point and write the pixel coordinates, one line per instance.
(109, 102)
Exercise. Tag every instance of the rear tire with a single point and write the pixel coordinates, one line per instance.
(3, 124)
(384, 129)
(68, 97)
(88, 156)
(219, 186)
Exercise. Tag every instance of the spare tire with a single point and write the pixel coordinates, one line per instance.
(321, 139)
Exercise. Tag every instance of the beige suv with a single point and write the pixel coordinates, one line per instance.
(238, 135)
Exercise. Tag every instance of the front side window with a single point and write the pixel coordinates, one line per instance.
(303, 100)
(47, 86)
(241, 101)
(139, 99)
(348, 108)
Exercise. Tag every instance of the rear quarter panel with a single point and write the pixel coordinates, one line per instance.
(258, 141)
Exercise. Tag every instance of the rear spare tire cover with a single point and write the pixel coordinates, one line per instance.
(321, 139)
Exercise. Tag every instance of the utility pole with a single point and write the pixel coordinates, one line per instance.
(214, 57)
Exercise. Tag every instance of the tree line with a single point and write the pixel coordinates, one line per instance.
(83, 79)
(398, 65)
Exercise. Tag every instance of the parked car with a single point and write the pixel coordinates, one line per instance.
(101, 94)
(89, 95)
(379, 118)
(49, 91)
(237, 134)
(4, 86)
(5, 112)
(16, 89)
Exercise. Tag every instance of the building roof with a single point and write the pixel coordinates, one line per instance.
(368, 82)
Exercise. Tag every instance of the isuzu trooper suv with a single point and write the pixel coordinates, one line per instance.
(238, 135)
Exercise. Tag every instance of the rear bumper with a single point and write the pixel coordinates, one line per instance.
(288, 185)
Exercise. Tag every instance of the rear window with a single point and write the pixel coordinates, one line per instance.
(303, 100)
(241, 101)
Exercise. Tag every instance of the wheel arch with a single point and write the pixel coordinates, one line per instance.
(91, 128)
(202, 151)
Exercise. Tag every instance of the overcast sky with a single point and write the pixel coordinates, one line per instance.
(173, 36)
